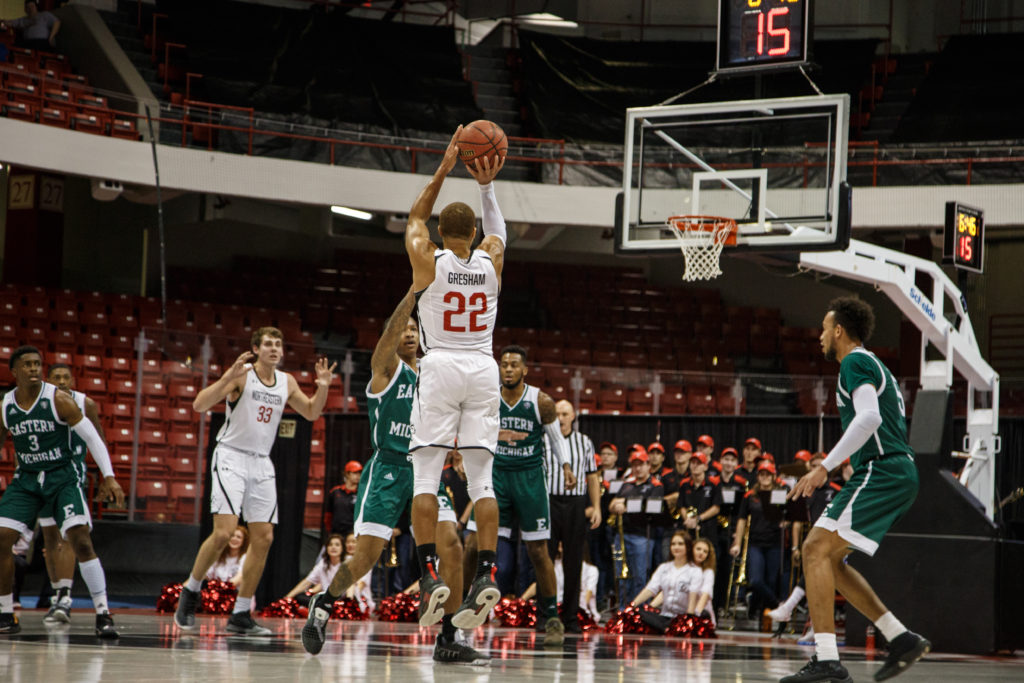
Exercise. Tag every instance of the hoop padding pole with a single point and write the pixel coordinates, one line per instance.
(894, 273)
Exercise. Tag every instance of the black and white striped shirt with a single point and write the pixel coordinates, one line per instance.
(579, 451)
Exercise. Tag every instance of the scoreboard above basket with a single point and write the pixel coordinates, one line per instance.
(762, 34)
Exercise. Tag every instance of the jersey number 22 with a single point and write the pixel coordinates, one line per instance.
(478, 300)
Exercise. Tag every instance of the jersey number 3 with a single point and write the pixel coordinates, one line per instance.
(478, 300)
(264, 413)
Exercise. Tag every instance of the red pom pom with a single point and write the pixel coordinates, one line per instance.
(168, 600)
(690, 626)
(403, 608)
(217, 597)
(348, 608)
(585, 621)
(287, 608)
(629, 621)
(516, 613)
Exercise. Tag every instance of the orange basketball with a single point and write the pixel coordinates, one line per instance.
(482, 139)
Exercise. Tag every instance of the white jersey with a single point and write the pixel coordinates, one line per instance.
(458, 309)
(676, 583)
(250, 423)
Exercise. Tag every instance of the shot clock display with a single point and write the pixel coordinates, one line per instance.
(762, 34)
(965, 237)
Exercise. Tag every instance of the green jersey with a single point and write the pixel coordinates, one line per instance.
(861, 367)
(524, 416)
(391, 410)
(42, 441)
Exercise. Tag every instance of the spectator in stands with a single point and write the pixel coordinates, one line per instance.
(228, 566)
(635, 463)
(322, 573)
(803, 456)
(341, 501)
(38, 29)
(637, 526)
(681, 454)
(706, 445)
(608, 467)
(656, 453)
(732, 487)
(751, 454)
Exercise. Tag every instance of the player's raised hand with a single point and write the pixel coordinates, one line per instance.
(484, 169)
(324, 374)
(451, 154)
(240, 367)
(108, 490)
(808, 483)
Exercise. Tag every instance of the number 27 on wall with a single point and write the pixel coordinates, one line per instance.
(478, 301)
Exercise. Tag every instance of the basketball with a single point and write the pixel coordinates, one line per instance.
(482, 139)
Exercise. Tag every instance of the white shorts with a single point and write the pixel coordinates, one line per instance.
(243, 485)
(457, 397)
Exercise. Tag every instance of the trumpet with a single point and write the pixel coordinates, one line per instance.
(392, 560)
(691, 513)
(723, 521)
(620, 554)
(738, 574)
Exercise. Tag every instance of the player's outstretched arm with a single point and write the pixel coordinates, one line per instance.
(307, 407)
(417, 235)
(384, 361)
(68, 411)
(494, 223)
(229, 383)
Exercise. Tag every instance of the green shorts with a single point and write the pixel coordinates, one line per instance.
(522, 497)
(56, 493)
(46, 516)
(385, 491)
(874, 499)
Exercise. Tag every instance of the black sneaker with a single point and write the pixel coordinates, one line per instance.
(60, 608)
(904, 650)
(482, 596)
(242, 623)
(452, 652)
(573, 627)
(105, 627)
(433, 594)
(830, 671)
(185, 615)
(9, 623)
(314, 633)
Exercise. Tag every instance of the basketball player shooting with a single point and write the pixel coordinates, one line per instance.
(457, 396)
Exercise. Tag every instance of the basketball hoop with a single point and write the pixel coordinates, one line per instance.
(701, 239)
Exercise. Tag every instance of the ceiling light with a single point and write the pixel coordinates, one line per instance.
(351, 213)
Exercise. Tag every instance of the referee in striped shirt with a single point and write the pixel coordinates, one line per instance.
(572, 509)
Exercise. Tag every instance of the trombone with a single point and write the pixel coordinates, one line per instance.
(620, 554)
(796, 565)
(392, 560)
(738, 571)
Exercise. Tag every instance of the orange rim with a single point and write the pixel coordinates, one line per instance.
(707, 224)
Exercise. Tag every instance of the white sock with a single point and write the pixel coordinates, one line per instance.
(96, 581)
(890, 626)
(7, 603)
(242, 604)
(794, 599)
(825, 647)
(194, 584)
(63, 583)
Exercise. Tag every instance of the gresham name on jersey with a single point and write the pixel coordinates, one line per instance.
(472, 279)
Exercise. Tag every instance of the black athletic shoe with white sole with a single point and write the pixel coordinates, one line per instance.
(454, 652)
(185, 615)
(9, 623)
(904, 650)
(60, 608)
(433, 594)
(815, 671)
(314, 633)
(105, 627)
(482, 596)
(242, 624)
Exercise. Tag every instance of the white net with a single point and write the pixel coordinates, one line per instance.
(701, 239)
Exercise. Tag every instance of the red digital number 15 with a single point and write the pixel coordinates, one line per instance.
(478, 299)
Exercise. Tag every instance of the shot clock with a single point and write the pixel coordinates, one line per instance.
(762, 34)
(964, 241)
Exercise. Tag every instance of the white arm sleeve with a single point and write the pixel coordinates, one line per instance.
(863, 425)
(557, 442)
(494, 222)
(87, 431)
